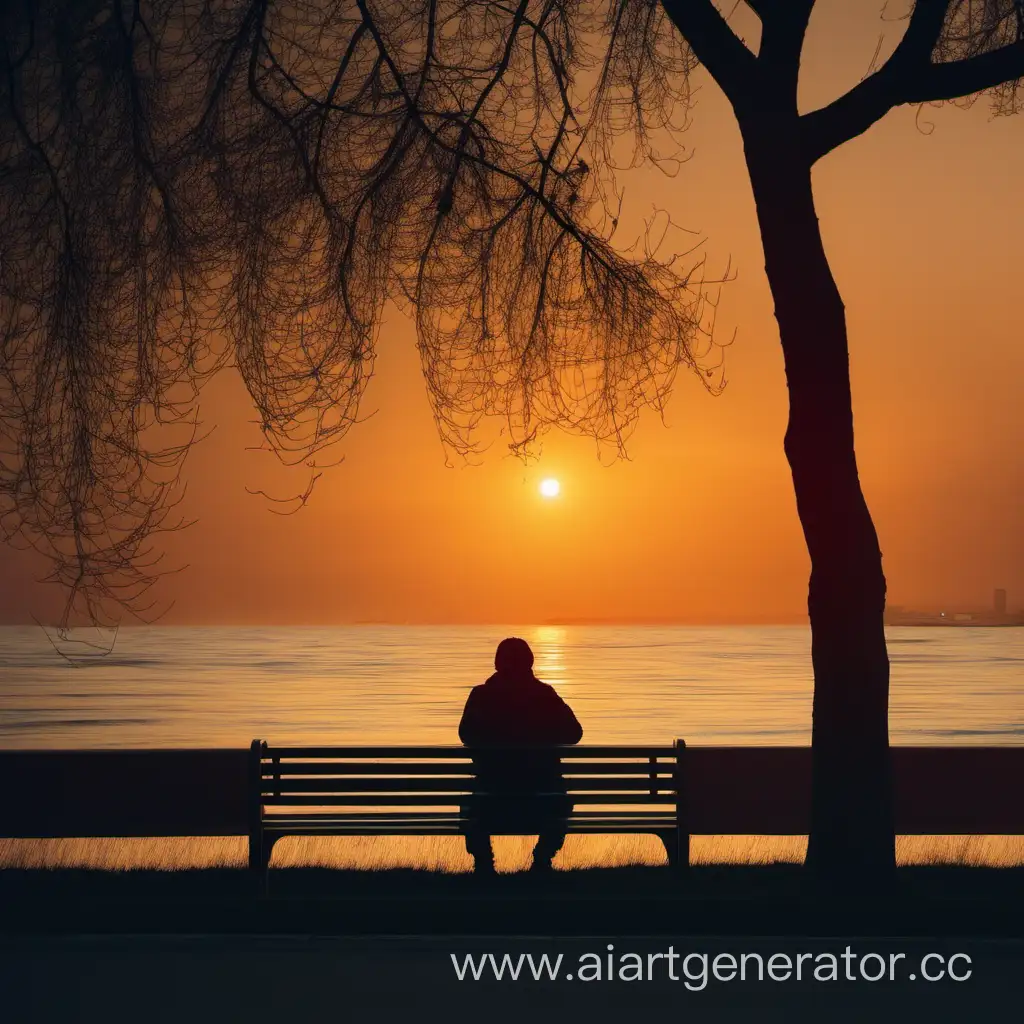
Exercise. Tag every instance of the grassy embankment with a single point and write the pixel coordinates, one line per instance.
(447, 855)
(618, 885)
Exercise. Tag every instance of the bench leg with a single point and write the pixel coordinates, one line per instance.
(677, 847)
(268, 849)
(255, 851)
(260, 849)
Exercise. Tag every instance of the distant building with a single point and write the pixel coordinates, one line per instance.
(897, 615)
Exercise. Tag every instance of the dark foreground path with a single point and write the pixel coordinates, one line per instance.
(194, 979)
(328, 946)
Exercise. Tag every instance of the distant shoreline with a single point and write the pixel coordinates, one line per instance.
(960, 624)
(1015, 622)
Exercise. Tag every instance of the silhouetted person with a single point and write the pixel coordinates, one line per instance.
(519, 791)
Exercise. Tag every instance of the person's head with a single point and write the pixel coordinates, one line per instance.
(513, 657)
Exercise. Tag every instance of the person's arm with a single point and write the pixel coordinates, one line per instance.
(565, 728)
(471, 726)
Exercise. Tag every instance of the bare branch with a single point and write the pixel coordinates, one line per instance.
(716, 46)
(301, 499)
(980, 47)
(984, 52)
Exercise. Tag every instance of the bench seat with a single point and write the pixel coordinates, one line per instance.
(448, 824)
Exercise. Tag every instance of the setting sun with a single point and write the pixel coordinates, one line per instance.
(550, 487)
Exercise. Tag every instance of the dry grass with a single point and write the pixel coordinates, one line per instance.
(447, 854)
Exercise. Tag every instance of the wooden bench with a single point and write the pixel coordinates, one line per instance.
(419, 791)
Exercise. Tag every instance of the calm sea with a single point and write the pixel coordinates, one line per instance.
(196, 687)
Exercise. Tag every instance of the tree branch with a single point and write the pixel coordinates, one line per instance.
(715, 45)
(856, 111)
(958, 78)
(762, 8)
(909, 76)
(783, 28)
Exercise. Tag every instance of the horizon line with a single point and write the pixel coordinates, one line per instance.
(562, 621)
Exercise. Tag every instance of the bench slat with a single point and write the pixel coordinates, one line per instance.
(583, 827)
(609, 820)
(337, 787)
(341, 816)
(453, 825)
(286, 821)
(455, 751)
(289, 768)
(442, 800)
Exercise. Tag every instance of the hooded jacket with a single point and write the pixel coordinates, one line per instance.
(517, 710)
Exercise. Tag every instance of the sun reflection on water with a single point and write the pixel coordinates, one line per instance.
(548, 643)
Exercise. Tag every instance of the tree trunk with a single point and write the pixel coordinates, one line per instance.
(851, 837)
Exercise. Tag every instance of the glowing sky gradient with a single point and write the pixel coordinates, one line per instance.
(924, 225)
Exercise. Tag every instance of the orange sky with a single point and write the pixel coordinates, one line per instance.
(922, 230)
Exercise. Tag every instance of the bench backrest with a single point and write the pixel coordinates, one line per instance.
(322, 777)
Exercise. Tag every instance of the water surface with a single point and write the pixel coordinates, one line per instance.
(195, 687)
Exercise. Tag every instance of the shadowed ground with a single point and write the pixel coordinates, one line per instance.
(309, 978)
(718, 899)
(86, 945)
